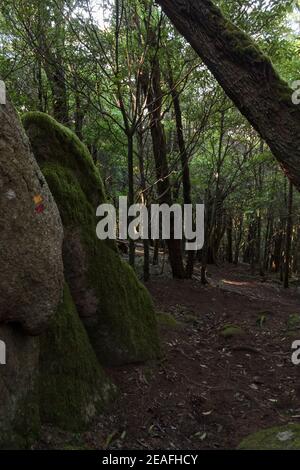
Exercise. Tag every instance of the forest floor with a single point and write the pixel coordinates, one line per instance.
(206, 391)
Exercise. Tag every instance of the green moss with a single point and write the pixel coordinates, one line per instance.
(69, 150)
(124, 328)
(278, 438)
(293, 325)
(127, 331)
(247, 52)
(72, 386)
(166, 319)
(293, 322)
(228, 331)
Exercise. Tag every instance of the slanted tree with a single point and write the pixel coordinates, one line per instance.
(246, 74)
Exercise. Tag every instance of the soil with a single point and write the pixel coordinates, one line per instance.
(206, 391)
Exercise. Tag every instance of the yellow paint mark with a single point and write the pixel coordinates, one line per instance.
(37, 199)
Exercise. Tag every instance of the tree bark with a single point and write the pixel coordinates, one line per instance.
(130, 193)
(141, 149)
(184, 158)
(288, 238)
(154, 103)
(245, 74)
(229, 247)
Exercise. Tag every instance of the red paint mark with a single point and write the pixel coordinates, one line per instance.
(40, 208)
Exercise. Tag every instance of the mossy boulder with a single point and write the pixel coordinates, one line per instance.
(114, 306)
(31, 279)
(73, 388)
(277, 438)
(230, 331)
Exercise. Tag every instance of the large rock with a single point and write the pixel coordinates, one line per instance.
(19, 411)
(31, 273)
(73, 388)
(31, 278)
(115, 307)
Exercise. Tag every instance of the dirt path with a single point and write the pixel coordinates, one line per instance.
(206, 391)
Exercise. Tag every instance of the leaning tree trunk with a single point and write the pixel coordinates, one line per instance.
(246, 75)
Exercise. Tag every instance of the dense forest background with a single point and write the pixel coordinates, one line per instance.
(164, 102)
(156, 121)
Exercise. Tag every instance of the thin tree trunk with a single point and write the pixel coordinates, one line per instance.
(154, 103)
(155, 253)
(143, 201)
(130, 193)
(79, 112)
(288, 238)
(229, 251)
(186, 180)
(238, 240)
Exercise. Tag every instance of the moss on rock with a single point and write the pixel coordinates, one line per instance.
(277, 438)
(229, 331)
(72, 386)
(115, 307)
(166, 319)
(293, 322)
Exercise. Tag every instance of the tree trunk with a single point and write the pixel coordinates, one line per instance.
(186, 180)
(130, 193)
(155, 253)
(59, 96)
(277, 254)
(79, 112)
(143, 201)
(245, 74)
(288, 238)
(154, 103)
(229, 250)
(238, 239)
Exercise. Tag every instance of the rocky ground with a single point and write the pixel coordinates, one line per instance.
(226, 369)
